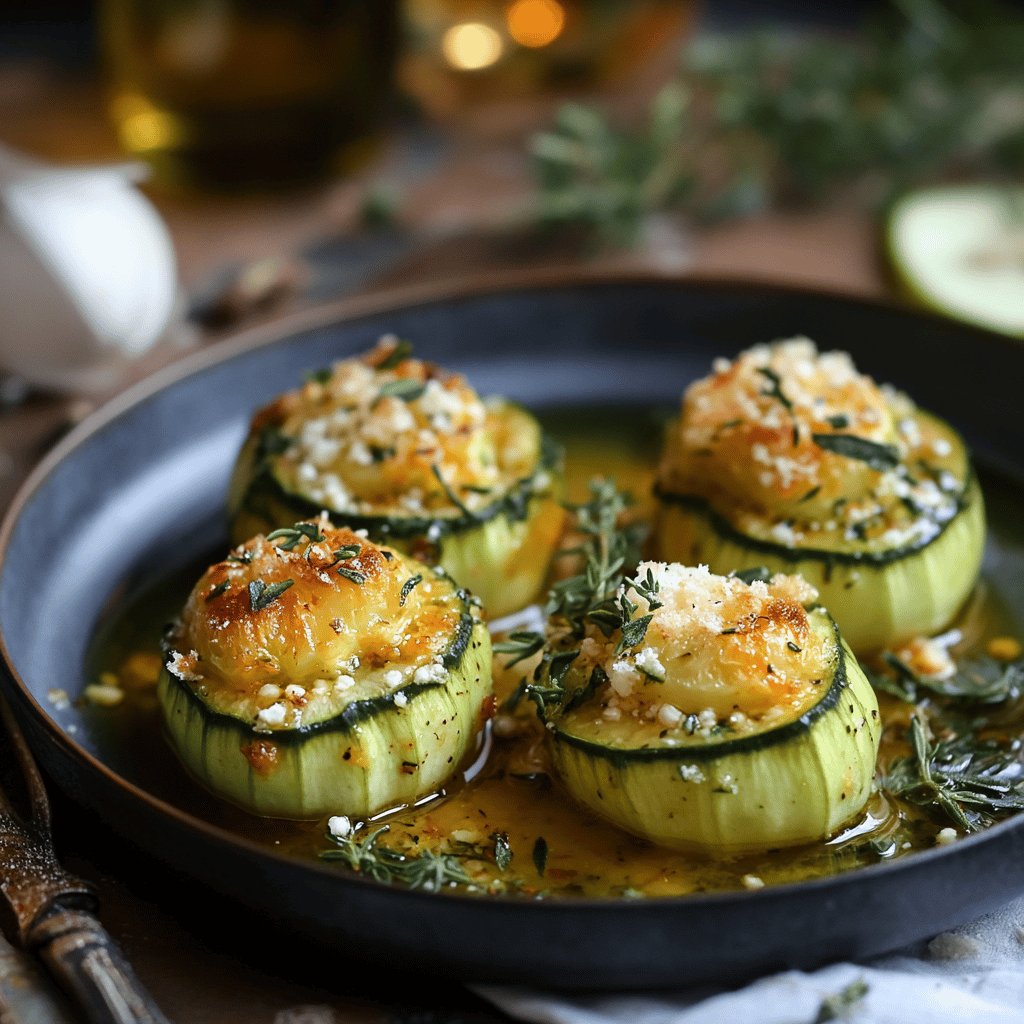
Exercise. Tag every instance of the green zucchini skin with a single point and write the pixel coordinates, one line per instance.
(500, 552)
(376, 751)
(792, 784)
(879, 598)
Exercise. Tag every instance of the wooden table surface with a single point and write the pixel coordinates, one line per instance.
(186, 946)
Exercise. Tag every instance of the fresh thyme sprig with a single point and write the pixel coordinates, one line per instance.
(981, 680)
(879, 457)
(926, 90)
(425, 870)
(971, 781)
(597, 595)
(405, 388)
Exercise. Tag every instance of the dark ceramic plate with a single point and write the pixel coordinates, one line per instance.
(147, 475)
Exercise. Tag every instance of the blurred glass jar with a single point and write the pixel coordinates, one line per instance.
(466, 53)
(248, 93)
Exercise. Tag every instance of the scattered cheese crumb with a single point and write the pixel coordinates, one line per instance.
(274, 715)
(339, 826)
(294, 692)
(401, 700)
(669, 715)
(343, 683)
(752, 882)
(946, 836)
(433, 673)
(691, 773)
(393, 678)
(269, 691)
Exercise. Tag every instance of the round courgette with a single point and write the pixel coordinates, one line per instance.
(740, 722)
(315, 672)
(408, 452)
(791, 460)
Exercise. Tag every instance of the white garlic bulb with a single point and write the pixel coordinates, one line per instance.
(88, 278)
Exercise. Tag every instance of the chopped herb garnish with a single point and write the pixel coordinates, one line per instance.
(348, 551)
(838, 422)
(880, 457)
(502, 850)
(540, 855)
(401, 352)
(290, 536)
(775, 391)
(320, 376)
(405, 388)
(242, 558)
(354, 575)
(407, 588)
(218, 590)
(381, 453)
(812, 493)
(262, 594)
(427, 870)
(970, 781)
(795, 648)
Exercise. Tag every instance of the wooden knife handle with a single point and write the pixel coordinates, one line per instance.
(88, 965)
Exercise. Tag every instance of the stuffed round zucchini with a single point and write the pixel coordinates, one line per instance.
(790, 459)
(411, 454)
(314, 672)
(738, 720)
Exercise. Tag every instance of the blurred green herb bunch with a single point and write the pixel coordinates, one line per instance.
(927, 91)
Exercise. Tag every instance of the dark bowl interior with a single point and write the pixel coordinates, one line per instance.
(147, 475)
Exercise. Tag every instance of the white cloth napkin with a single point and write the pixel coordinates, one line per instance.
(973, 975)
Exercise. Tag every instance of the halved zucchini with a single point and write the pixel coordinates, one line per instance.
(317, 673)
(791, 460)
(409, 453)
(740, 722)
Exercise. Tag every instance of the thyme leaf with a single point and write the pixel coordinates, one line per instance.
(502, 850)
(405, 388)
(342, 554)
(401, 352)
(291, 536)
(218, 590)
(427, 870)
(354, 575)
(521, 644)
(407, 588)
(319, 376)
(261, 594)
(879, 457)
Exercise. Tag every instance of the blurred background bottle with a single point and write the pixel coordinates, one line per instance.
(464, 54)
(248, 93)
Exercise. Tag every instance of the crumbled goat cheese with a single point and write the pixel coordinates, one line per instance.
(649, 663)
(294, 692)
(393, 678)
(669, 715)
(343, 683)
(401, 700)
(340, 826)
(269, 691)
(752, 882)
(433, 673)
(945, 836)
(691, 773)
(274, 715)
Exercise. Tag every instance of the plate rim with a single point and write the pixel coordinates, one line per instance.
(352, 309)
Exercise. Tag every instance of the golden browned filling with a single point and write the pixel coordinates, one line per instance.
(796, 446)
(717, 652)
(289, 627)
(388, 433)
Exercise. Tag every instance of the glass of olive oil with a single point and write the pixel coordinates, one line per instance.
(235, 94)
